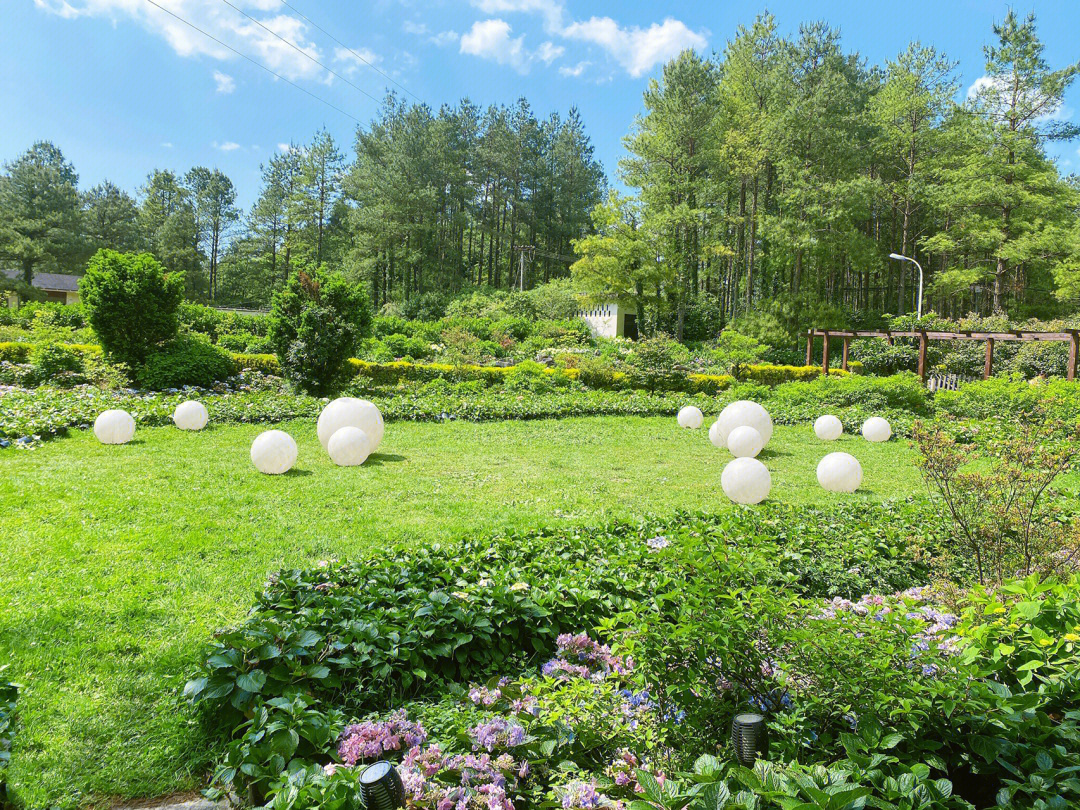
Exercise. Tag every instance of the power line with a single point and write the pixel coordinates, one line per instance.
(301, 51)
(253, 61)
(350, 50)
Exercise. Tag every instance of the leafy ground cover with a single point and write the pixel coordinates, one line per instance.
(120, 562)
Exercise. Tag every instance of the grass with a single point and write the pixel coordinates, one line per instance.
(120, 561)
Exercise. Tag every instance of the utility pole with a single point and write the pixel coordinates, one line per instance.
(522, 250)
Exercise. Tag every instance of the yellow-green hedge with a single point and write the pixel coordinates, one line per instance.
(774, 375)
(19, 352)
(266, 363)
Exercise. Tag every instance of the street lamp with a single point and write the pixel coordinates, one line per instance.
(900, 258)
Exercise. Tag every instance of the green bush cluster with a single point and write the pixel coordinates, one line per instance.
(884, 701)
(9, 693)
(418, 622)
(186, 360)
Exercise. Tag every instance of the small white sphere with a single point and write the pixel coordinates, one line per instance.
(828, 428)
(744, 412)
(348, 447)
(876, 429)
(746, 480)
(744, 442)
(715, 437)
(190, 415)
(839, 472)
(351, 411)
(273, 452)
(691, 417)
(114, 427)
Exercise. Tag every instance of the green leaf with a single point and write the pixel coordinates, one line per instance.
(252, 681)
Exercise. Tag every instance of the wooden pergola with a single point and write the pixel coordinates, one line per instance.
(1070, 336)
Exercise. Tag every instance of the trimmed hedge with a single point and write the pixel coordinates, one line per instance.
(394, 372)
(19, 352)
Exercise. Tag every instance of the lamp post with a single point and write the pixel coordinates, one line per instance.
(900, 258)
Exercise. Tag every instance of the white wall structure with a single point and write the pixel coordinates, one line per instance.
(612, 319)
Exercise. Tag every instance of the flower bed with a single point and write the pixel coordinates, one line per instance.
(602, 669)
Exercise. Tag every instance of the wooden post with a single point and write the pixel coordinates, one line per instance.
(890, 340)
(922, 356)
(1074, 353)
(810, 347)
(825, 353)
(988, 369)
(843, 361)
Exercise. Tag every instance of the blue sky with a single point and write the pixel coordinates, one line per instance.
(122, 87)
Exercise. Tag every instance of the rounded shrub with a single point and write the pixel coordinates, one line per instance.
(188, 360)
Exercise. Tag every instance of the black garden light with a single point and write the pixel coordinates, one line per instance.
(749, 738)
(381, 788)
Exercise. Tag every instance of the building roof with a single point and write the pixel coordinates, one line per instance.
(58, 282)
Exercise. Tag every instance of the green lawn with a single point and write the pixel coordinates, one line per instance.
(118, 562)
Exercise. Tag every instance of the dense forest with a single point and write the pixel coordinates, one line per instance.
(785, 172)
(776, 174)
(430, 204)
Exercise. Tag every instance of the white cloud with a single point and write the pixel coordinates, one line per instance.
(410, 27)
(995, 94)
(166, 145)
(490, 39)
(638, 50)
(217, 19)
(284, 147)
(548, 52)
(355, 58)
(551, 10)
(225, 82)
(576, 70)
(445, 38)
(228, 146)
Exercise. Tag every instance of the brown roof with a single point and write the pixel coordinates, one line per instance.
(57, 282)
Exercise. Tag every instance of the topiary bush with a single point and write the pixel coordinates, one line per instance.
(131, 302)
(316, 324)
(188, 360)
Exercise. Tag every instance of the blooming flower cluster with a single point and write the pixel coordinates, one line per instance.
(482, 696)
(372, 738)
(578, 656)
(623, 770)
(657, 543)
(581, 795)
(497, 732)
(484, 782)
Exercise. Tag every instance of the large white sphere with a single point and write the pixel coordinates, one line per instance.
(190, 415)
(349, 447)
(691, 417)
(839, 472)
(114, 427)
(351, 411)
(746, 480)
(744, 412)
(744, 442)
(876, 429)
(828, 428)
(273, 452)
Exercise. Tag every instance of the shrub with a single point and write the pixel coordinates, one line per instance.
(996, 494)
(53, 359)
(188, 360)
(316, 324)
(131, 303)
(652, 363)
(15, 352)
(263, 363)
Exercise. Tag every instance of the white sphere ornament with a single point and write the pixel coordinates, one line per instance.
(744, 412)
(114, 427)
(349, 447)
(876, 429)
(828, 428)
(744, 442)
(839, 472)
(350, 411)
(190, 415)
(715, 436)
(273, 452)
(746, 480)
(691, 417)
